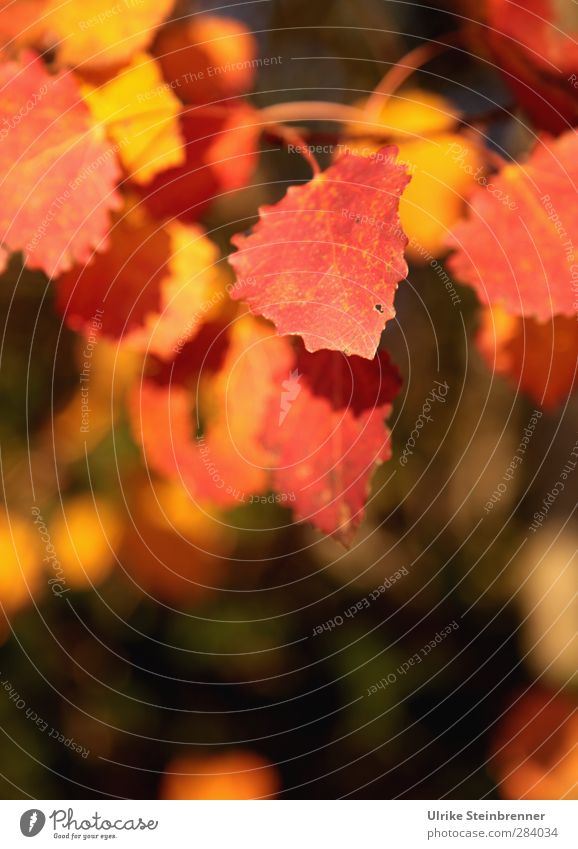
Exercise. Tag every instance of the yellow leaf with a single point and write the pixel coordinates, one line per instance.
(442, 164)
(102, 33)
(152, 289)
(140, 115)
(193, 294)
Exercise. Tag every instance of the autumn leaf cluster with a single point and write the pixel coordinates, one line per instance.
(264, 372)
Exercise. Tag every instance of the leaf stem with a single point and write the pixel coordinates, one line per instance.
(311, 110)
(404, 68)
(294, 137)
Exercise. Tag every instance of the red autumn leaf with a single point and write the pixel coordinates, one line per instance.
(221, 154)
(324, 262)
(327, 431)
(152, 288)
(540, 359)
(516, 247)
(537, 58)
(228, 461)
(205, 352)
(57, 175)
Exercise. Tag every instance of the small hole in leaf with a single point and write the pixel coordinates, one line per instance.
(379, 308)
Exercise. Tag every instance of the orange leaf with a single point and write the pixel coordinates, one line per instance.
(22, 23)
(540, 359)
(227, 462)
(207, 58)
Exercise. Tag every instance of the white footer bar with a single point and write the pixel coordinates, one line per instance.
(290, 824)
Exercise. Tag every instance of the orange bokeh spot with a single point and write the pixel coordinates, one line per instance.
(207, 58)
(20, 562)
(235, 775)
(174, 549)
(539, 357)
(85, 535)
(536, 751)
